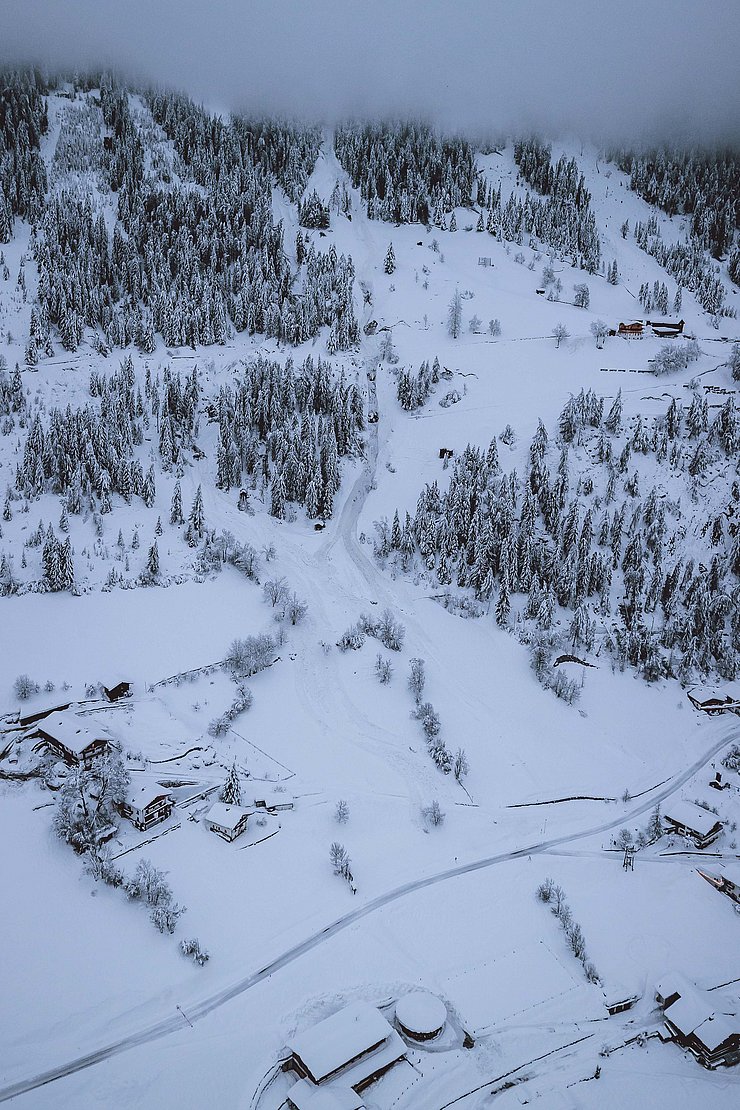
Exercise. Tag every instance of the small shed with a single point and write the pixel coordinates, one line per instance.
(147, 805)
(227, 821)
(273, 801)
(120, 690)
(620, 997)
(65, 736)
(688, 819)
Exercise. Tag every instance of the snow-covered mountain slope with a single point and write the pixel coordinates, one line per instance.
(106, 1008)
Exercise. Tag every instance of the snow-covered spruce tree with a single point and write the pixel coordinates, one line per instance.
(389, 265)
(454, 316)
(231, 792)
(196, 519)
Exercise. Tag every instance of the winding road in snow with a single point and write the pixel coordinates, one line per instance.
(345, 533)
(201, 1009)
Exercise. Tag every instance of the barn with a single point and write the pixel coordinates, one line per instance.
(692, 1021)
(120, 690)
(65, 736)
(355, 1046)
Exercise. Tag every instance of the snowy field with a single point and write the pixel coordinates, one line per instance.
(452, 908)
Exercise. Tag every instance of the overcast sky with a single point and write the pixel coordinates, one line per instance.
(607, 68)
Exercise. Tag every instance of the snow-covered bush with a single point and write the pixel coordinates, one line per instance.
(430, 722)
(247, 657)
(433, 814)
(460, 765)
(166, 916)
(341, 813)
(383, 669)
(352, 639)
(545, 890)
(192, 948)
(671, 358)
(219, 726)
(387, 629)
(417, 679)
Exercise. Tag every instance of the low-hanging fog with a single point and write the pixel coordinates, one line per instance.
(621, 70)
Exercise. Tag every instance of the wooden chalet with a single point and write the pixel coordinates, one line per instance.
(350, 1049)
(633, 330)
(693, 1022)
(120, 690)
(692, 821)
(723, 883)
(227, 821)
(65, 735)
(712, 701)
(147, 805)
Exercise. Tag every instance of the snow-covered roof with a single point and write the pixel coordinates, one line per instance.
(618, 992)
(68, 729)
(305, 1095)
(228, 817)
(336, 1040)
(421, 1012)
(141, 796)
(41, 706)
(704, 694)
(690, 1010)
(717, 1029)
(692, 816)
